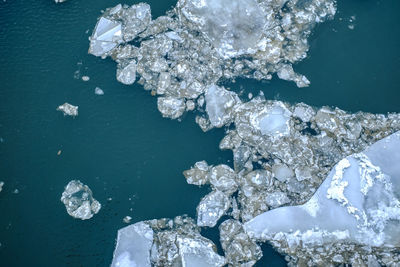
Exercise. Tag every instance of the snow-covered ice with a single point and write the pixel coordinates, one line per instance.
(358, 202)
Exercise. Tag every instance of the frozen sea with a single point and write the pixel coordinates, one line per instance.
(119, 145)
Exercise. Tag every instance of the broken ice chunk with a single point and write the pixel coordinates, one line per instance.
(219, 103)
(276, 199)
(127, 219)
(78, 200)
(198, 175)
(211, 208)
(1, 185)
(304, 112)
(223, 178)
(274, 121)
(198, 253)
(233, 27)
(286, 72)
(239, 249)
(126, 73)
(133, 246)
(358, 202)
(136, 19)
(171, 107)
(107, 35)
(282, 172)
(68, 109)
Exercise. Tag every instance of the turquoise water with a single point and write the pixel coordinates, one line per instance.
(119, 144)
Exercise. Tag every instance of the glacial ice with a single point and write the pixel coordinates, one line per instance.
(79, 201)
(133, 247)
(358, 202)
(107, 35)
(68, 109)
(1, 185)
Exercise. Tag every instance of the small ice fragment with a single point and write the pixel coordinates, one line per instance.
(351, 26)
(57, 1)
(1, 185)
(16, 191)
(127, 219)
(98, 91)
(78, 200)
(85, 78)
(68, 109)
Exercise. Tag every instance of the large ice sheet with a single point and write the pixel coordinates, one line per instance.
(358, 202)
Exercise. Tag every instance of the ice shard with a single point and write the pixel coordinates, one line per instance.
(78, 200)
(359, 202)
(107, 35)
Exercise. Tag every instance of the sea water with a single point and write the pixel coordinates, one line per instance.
(119, 145)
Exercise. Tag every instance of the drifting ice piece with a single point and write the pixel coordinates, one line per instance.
(98, 91)
(133, 246)
(233, 27)
(358, 202)
(78, 200)
(107, 35)
(68, 109)
(1, 185)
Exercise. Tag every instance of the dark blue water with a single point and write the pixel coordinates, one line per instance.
(119, 144)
